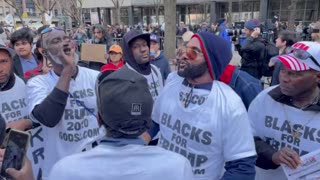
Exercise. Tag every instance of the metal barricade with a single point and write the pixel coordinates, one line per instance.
(117, 41)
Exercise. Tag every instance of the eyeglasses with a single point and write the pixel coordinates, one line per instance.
(191, 52)
(46, 30)
(304, 55)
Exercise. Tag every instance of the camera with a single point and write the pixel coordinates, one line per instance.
(237, 33)
(306, 33)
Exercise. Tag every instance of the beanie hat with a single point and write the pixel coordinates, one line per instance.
(216, 51)
(124, 103)
(252, 23)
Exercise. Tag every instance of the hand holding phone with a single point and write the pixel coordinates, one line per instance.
(257, 30)
(16, 149)
(255, 33)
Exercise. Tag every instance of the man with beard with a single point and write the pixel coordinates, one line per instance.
(202, 118)
(64, 100)
(285, 118)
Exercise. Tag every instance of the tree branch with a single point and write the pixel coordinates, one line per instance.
(114, 2)
(11, 3)
(52, 6)
(121, 3)
(37, 4)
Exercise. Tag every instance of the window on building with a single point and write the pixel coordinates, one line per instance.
(86, 14)
(124, 14)
(7, 10)
(56, 12)
(1, 11)
(245, 10)
(31, 8)
(306, 10)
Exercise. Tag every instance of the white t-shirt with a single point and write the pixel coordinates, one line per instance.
(154, 79)
(212, 130)
(14, 105)
(77, 125)
(273, 122)
(128, 162)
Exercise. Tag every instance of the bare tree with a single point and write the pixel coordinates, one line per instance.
(292, 14)
(170, 28)
(72, 9)
(157, 5)
(17, 8)
(117, 6)
(45, 7)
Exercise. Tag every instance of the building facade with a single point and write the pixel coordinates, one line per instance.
(198, 11)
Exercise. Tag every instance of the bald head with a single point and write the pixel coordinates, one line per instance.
(50, 35)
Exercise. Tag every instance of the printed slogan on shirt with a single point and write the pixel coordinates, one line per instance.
(182, 133)
(11, 111)
(36, 151)
(78, 118)
(286, 135)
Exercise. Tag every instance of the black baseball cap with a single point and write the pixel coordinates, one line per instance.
(124, 103)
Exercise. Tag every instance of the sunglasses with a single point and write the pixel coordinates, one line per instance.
(46, 30)
(192, 53)
(304, 55)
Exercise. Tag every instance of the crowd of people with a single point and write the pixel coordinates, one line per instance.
(132, 118)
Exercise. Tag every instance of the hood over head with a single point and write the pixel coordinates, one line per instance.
(128, 38)
(216, 51)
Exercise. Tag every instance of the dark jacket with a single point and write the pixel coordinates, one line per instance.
(162, 63)
(276, 72)
(252, 54)
(246, 86)
(17, 67)
(133, 34)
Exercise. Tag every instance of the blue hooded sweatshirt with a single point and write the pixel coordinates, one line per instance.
(224, 34)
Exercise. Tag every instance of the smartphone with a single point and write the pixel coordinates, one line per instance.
(257, 30)
(16, 149)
